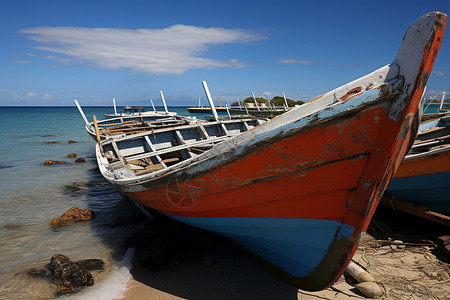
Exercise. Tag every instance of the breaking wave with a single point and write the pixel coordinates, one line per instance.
(114, 286)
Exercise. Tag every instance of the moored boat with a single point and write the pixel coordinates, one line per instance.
(298, 190)
(441, 109)
(140, 111)
(130, 124)
(206, 109)
(423, 178)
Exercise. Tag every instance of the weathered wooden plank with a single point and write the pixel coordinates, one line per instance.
(176, 148)
(418, 210)
(150, 145)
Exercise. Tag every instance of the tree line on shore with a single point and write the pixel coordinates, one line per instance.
(276, 101)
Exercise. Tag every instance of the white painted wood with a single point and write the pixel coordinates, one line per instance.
(164, 102)
(211, 102)
(114, 104)
(81, 112)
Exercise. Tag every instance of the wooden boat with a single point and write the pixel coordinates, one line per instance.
(261, 112)
(195, 109)
(423, 178)
(259, 109)
(441, 110)
(296, 191)
(205, 109)
(140, 111)
(131, 124)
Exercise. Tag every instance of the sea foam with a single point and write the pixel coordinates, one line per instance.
(114, 286)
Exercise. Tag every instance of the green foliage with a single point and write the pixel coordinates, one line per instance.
(277, 101)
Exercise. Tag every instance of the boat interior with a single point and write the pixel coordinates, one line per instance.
(433, 138)
(160, 148)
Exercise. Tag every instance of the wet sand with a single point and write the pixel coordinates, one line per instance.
(403, 272)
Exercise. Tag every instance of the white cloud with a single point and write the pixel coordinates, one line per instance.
(47, 97)
(22, 61)
(31, 95)
(172, 50)
(295, 61)
(440, 73)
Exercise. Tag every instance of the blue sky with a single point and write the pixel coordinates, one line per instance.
(52, 52)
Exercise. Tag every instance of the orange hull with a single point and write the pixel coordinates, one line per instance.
(298, 190)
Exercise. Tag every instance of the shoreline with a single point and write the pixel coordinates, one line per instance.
(422, 272)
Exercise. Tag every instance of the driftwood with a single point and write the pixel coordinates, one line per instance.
(418, 210)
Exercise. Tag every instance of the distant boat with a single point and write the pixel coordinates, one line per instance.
(441, 109)
(138, 111)
(423, 178)
(298, 190)
(260, 109)
(131, 124)
(205, 109)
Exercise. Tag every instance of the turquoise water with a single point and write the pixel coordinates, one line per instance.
(430, 108)
(32, 194)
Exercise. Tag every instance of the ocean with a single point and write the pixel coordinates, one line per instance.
(32, 194)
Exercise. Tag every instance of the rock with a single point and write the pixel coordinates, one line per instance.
(92, 264)
(35, 272)
(74, 214)
(71, 155)
(53, 162)
(70, 274)
(72, 142)
(52, 142)
(80, 160)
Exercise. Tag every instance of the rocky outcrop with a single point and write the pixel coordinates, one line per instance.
(53, 162)
(80, 160)
(71, 142)
(69, 276)
(74, 214)
(71, 155)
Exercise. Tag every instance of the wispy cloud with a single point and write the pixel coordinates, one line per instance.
(47, 97)
(172, 50)
(295, 61)
(22, 61)
(30, 95)
(440, 73)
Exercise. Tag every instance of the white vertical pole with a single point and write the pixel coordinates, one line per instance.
(256, 103)
(153, 105)
(211, 103)
(114, 103)
(81, 112)
(285, 101)
(228, 111)
(164, 101)
(198, 101)
(442, 100)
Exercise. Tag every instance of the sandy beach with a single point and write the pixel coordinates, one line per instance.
(419, 271)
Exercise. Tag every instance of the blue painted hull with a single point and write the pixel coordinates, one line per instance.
(432, 191)
(296, 245)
